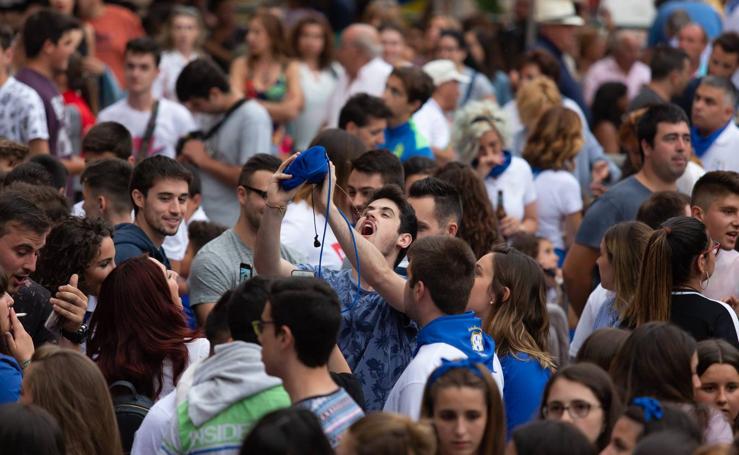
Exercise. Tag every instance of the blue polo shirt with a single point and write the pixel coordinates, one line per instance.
(405, 141)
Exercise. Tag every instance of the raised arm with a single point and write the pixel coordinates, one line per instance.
(373, 266)
(267, 259)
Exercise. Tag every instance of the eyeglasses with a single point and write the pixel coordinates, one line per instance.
(715, 247)
(258, 326)
(262, 194)
(577, 409)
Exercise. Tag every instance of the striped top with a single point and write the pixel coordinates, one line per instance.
(336, 412)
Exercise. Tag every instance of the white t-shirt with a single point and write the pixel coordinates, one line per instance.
(596, 300)
(175, 246)
(725, 279)
(22, 114)
(405, 397)
(517, 183)
(558, 195)
(173, 122)
(317, 91)
(370, 79)
(197, 350)
(297, 234)
(433, 124)
(170, 66)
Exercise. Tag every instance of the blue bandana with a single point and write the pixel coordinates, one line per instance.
(462, 331)
(496, 171)
(702, 144)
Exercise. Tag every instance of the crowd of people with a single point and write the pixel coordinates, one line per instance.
(353, 228)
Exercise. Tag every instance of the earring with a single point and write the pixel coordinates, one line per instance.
(491, 301)
(704, 281)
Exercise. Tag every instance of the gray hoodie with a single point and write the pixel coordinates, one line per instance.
(232, 374)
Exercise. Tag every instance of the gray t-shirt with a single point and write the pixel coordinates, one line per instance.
(245, 133)
(217, 267)
(645, 97)
(620, 203)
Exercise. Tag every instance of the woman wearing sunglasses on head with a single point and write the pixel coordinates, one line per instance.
(678, 263)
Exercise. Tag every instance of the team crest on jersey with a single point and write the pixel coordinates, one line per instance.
(476, 340)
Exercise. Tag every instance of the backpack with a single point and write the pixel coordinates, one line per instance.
(130, 409)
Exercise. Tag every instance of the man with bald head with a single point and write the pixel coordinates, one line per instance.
(694, 41)
(359, 53)
(622, 65)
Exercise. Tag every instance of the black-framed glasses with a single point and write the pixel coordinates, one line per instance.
(262, 194)
(258, 326)
(577, 409)
(715, 247)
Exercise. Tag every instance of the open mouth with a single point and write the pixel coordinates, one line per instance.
(368, 228)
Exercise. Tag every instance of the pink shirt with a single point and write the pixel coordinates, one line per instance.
(606, 70)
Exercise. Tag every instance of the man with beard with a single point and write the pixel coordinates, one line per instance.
(159, 191)
(228, 259)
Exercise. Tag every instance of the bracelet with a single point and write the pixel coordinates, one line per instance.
(25, 363)
(281, 208)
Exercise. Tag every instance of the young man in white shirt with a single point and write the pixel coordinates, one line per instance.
(171, 120)
(715, 201)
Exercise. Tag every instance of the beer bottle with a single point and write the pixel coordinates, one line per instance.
(499, 209)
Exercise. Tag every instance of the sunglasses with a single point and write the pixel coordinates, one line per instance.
(262, 194)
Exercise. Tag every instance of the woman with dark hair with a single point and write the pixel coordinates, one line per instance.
(547, 437)
(269, 75)
(312, 44)
(584, 395)
(301, 215)
(647, 416)
(465, 407)
(71, 388)
(81, 246)
(484, 49)
(16, 347)
(602, 346)
(452, 46)
(679, 259)
(29, 430)
(659, 360)
(139, 332)
(509, 296)
(619, 263)
(609, 107)
(478, 226)
(285, 432)
(718, 370)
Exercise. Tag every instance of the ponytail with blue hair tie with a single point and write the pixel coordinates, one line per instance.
(448, 365)
(651, 408)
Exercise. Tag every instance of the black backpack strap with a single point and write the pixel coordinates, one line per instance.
(124, 384)
(148, 133)
(214, 129)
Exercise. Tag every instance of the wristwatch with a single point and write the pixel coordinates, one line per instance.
(76, 337)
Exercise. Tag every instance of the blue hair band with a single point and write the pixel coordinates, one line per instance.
(651, 408)
(448, 365)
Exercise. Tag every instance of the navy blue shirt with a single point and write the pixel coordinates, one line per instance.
(567, 84)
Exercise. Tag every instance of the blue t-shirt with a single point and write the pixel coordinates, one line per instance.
(377, 341)
(336, 412)
(10, 379)
(525, 380)
(405, 141)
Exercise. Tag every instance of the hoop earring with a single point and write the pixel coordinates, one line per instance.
(705, 281)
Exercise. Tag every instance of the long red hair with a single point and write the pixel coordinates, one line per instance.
(136, 327)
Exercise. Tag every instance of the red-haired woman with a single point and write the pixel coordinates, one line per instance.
(139, 332)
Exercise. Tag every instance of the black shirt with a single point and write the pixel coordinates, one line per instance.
(702, 317)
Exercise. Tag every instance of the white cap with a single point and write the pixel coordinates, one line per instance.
(557, 12)
(444, 71)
